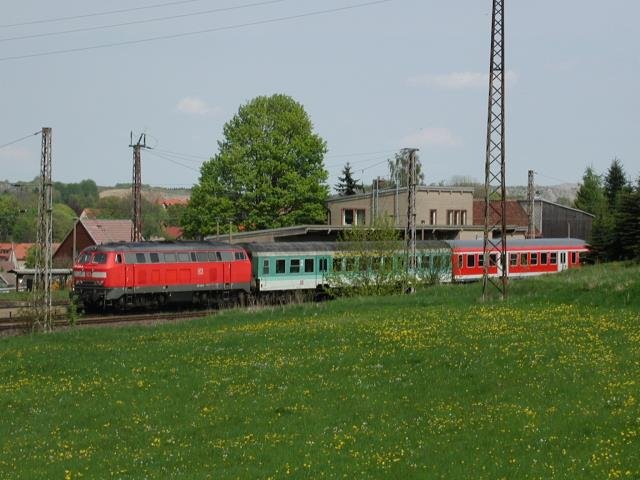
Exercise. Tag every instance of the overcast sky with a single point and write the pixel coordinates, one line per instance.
(401, 73)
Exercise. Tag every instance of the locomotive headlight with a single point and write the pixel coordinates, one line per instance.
(78, 274)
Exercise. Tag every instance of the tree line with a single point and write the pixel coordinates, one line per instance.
(615, 201)
(19, 211)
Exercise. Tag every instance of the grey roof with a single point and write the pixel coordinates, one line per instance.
(513, 242)
(305, 247)
(160, 246)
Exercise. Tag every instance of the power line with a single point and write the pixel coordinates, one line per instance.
(184, 156)
(21, 139)
(169, 159)
(137, 22)
(98, 14)
(360, 154)
(198, 32)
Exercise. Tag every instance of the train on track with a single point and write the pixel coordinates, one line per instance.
(125, 275)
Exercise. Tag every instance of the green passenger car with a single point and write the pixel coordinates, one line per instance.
(312, 265)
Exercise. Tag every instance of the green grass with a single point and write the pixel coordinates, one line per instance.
(434, 385)
(61, 295)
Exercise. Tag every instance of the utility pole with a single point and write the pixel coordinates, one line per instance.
(531, 232)
(495, 190)
(136, 188)
(411, 208)
(42, 278)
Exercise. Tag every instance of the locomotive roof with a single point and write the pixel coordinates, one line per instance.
(306, 247)
(162, 246)
(519, 242)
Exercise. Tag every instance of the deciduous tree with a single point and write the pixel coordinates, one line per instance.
(268, 172)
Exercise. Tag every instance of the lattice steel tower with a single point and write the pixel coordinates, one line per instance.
(411, 207)
(42, 278)
(495, 190)
(531, 192)
(136, 188)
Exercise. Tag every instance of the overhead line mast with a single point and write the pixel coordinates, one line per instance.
(136, 188)
(495, 189)
(43, 262)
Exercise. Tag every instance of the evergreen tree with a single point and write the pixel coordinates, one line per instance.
(590, 196)
(347, 185)
(628, 224)
(614, 182)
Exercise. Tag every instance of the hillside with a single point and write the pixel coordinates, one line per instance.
(434, 385)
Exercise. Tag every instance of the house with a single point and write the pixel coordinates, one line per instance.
(88, 232)
(15, 254)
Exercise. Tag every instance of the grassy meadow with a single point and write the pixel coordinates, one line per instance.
(432, 385)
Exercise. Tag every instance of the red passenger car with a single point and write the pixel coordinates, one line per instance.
(158, 273)
(524, 257)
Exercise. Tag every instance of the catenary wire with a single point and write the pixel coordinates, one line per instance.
(21, 139)
(148, 20)
(169, 159)
(197, 32)
(97, 14)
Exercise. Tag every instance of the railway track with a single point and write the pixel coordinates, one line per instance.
(9, 326)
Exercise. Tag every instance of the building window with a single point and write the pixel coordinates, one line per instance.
(353, 216)
(456, 217)
(433, 217)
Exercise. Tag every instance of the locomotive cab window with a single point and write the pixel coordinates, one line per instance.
(308, 265)
(240, 256)
(170, 258)
(141, 258)
(155, 258)
(183, 257)
(215, 257)
(202, 256)
(100, 258)
(227, 256)
(280, 266)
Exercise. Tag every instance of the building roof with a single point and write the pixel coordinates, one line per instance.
(401, 191)
(559, 205)
(174, 232)
(516, 215)
(20, 249)
(106, 231)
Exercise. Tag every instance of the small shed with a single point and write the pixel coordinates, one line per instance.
(25, 276)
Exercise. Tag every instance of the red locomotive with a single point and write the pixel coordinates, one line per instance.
(157, 273)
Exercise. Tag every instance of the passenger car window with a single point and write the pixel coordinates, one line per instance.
(280, 266)
(265, 267)
(294, 266)
(308, 265)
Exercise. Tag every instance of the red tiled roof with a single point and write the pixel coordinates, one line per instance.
(105, 231)
(174, 232)
(516, 215)
(19, 248)
(168, 202)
